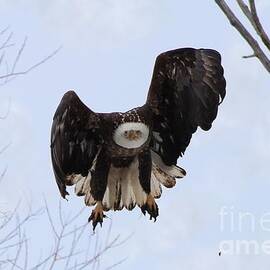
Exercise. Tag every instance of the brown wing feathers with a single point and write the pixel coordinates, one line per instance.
(185, 91)
(74, 139)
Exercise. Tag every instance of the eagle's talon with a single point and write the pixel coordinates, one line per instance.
(150, 207)
(154, 217)
(97, 215)
(143, 209)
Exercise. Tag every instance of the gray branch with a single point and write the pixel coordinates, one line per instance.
(67, 250)
(11, 71)
(235, 22)
(258, 26)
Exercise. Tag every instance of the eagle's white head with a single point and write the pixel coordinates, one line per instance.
(131, 135)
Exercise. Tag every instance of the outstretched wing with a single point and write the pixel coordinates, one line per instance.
(186, 88)
(74, 140)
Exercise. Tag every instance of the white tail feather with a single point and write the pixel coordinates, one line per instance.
(128, 196)
(140, 195)
(123, 185)
(111, 196)
(124, 182)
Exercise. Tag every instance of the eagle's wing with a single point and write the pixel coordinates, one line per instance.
(186, 88)
(74, 140)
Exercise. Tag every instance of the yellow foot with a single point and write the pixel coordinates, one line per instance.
(150, 207)
(97, 215)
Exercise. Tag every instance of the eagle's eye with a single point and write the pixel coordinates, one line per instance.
(125, 134)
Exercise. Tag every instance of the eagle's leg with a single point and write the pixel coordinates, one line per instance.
(97, 215)
(145, 169)
(98, 186)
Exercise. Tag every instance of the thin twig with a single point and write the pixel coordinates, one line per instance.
(73, 246)
(5, 43)
(7, 46)
(50, 219)
(16, 244)
(60, 212)
(9, 217)
(57, 249)
(18, 56)
(2, 58)
(249, 56)
(19, 249)
(3, 174)
(66, 253)
(12, 263)
(116, 264)
(90, 261)
(7, 112)
(26, 255)
(13, 74)
(42, 262)
(72, 219)
(4, 30)
(12, 233)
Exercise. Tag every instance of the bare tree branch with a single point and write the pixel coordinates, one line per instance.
(258, 26)
(251, 13)
(3, 174)
(2, 58)
(116, 264)
(3, 149)
(18, 56)
(70, 242)
(235, 22)
(4, 30)
(5, 43)
(67, 251)
(246, 11)
(12, 72)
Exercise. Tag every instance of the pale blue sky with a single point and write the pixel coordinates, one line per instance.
(108, 53)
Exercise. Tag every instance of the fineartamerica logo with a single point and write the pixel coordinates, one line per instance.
(243, 222)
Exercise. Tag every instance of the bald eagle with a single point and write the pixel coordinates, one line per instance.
(121, 159)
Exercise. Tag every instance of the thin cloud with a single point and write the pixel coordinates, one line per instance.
(101, 23)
